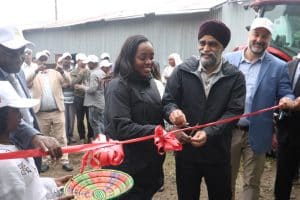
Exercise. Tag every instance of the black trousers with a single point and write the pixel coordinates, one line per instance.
(38, 163)
(80, 112)
(288, 160)
(217, 178)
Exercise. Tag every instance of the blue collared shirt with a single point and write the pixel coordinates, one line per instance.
(250, 71)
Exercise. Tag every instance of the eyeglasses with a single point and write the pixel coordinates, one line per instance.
(212, 44)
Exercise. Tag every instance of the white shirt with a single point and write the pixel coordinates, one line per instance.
(29, 70)
(160, 86)
(167, 73)
(19, 179)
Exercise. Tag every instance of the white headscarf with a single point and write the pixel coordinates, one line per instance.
(176, 58)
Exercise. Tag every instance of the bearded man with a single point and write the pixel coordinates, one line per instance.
(199, 91)
(267, 83)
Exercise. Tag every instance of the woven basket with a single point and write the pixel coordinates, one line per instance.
(99, 185)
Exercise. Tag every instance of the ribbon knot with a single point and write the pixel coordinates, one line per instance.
(165, 141)
(111, 153)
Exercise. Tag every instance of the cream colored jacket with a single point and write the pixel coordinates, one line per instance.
(57, 81)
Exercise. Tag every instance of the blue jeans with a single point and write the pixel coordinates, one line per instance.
(96, 119)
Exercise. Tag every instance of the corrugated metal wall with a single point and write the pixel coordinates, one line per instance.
(170, 33)
(237, 18)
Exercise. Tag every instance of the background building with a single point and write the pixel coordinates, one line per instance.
(172, 28)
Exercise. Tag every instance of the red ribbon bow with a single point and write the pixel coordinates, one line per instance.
(165, 141)
(109, 154)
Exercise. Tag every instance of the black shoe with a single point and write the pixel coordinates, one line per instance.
(44, 168)
(67, 167)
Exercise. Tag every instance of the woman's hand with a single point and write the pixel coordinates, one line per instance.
(61, 181)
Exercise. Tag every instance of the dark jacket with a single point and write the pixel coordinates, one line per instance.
(184, 90)
(289, 126)
(133, 109)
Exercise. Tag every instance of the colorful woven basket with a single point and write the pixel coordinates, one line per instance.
(99, 185)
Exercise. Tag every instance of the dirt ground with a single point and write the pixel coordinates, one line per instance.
(170, 183)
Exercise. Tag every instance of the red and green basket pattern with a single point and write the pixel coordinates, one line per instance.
(99, 185)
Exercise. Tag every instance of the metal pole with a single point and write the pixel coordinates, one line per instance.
(55, 11)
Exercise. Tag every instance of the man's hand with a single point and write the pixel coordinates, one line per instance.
(60, 69)
(286, 103)
(182, 137)
(199, 139)
(79, 87)
(47, 144)
(296, 104)
(177, 118)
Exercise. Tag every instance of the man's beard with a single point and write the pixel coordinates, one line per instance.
(209, 62)
(258, 50)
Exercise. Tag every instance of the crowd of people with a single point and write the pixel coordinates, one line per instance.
(65, 91)
(129, 98)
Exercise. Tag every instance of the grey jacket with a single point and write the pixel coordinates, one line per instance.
(94, 93)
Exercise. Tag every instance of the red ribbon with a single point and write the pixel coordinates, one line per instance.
(103, 156)
(223, 121)
(111, 152)
(114, 155)
(165, 141)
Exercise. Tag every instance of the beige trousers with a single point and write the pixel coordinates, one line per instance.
(53, 124)
(253, 165)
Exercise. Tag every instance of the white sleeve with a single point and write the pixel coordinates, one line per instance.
(49, 184)
(11, 183)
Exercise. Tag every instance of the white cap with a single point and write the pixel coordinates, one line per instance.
(28, 51)
(105, 63)
(9, 97)
(298, 55)
(12, 38)
(65, 55)
(80, 56)
(60, 59)
(262, 23)
(38, 55)
(47, 52)
(104, 55)
(92, 59)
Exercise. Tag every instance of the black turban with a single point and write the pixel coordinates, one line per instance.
(217, 29)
